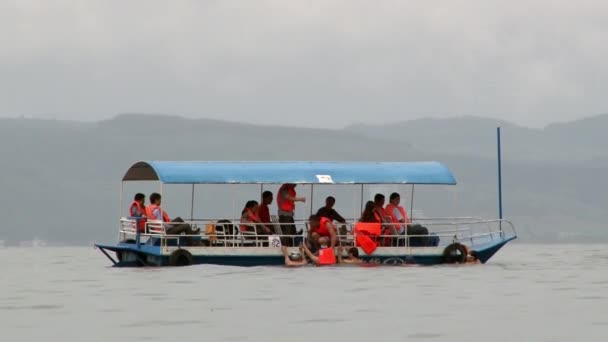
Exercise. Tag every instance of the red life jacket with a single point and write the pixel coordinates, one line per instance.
(365, 234)
(253, 218)
(139, 213)
(285, 204)
(327, 256)
(150, 213)
(322, 228)
(389, 210)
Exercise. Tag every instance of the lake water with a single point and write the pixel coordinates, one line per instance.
(526, 293)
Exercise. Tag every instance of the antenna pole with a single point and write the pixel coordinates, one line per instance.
(499, 177)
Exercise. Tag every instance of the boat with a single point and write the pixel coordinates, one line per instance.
(448, 239)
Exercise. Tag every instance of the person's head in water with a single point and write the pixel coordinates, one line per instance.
(295, 256)
(395, 198)
(323, 241)
(267, 197)
(353, 252)
(155, 198)
(330, 202)
(140, 198)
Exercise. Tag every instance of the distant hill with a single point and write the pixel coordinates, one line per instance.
(581, 140)
(61, 179)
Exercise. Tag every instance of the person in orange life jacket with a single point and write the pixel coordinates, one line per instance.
(369, 214)
(331, 213)
(397, 213)
(250, 215)
(352, 256)
(286, 198)
(154, 212)
(321, 227)
(325, 255)
(264, 213)
(385, 219)
(137, 210)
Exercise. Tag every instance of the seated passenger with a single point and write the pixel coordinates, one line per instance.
(352, 256)
(321, 227)
(249, 218)
(154, 212)
(137, 211)
(329, 212)
(385, 219)
(264, 213)
(397, 213)
(294, 259)
(369, 214)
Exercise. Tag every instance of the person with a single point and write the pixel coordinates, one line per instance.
(321, 227)
(264, 213)
(154, 212)
(369, 214)
(137, 210)
(249, 215)
(352, 256)
(286, 198)
(294, 259)
(387, 222)
(331, 213)
(397, 213)
(325, 256)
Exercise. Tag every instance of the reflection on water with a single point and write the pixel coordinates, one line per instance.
(526, 293)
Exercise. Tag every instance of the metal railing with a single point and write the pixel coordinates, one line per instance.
(228, 233)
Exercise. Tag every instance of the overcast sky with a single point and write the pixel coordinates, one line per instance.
(310, 63)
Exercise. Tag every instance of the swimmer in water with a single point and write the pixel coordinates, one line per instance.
(352, 256)
(294, 259)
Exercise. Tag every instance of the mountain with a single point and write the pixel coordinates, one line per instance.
(61, 179)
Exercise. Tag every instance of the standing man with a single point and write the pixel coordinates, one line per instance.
(264, 213)
(286, 198)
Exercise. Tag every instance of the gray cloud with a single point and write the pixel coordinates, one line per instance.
(312, 63)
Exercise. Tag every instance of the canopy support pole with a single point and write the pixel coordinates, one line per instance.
(192, 205)
(312, 186)
(412, 204)
(361, 198)
(121, 197)
(499, 178)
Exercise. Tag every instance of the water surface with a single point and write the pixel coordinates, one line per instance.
(526, 293)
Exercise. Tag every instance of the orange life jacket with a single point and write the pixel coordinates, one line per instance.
(389, 210)
(365, 234)
(253, 218)
(150, 213)
(285, 204)
(322, 228)
(327, 256)
(139, 213)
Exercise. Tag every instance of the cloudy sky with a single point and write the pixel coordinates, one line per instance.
(309, 63)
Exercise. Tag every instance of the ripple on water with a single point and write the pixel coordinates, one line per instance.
(424, 335)
(157, 323)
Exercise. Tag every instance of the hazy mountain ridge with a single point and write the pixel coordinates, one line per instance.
(59, 175)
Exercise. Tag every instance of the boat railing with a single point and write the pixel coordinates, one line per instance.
(471, 231)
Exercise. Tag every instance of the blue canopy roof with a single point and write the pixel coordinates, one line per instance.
(192, 172)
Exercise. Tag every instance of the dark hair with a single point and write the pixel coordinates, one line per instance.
(378, 197)
(139, 196)
(354, 251)
(249, 205)
(266, 194)
(155, 196)
(330, 198)
(394, 195)
(368, 213)
(313, 218)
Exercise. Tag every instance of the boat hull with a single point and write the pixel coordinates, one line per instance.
(131, 255)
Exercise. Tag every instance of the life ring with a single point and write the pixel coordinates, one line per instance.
(455, 253)
(180, 257)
